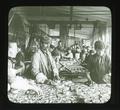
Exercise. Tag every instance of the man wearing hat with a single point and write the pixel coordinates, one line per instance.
(43, 64)
(99, 64)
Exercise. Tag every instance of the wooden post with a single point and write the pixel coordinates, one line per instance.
(63, 34)
(93, 35)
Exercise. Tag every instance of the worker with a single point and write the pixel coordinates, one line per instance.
(12, 71)
(88, 56)
(99, 64)
(59, 50)
(77, 54)
(69, 54)
(16, 81)
(88, 48)
(43, 64)
(83, 55)
(75, 48)
(20, 58)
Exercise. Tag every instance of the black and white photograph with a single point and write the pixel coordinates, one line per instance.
(59, 54)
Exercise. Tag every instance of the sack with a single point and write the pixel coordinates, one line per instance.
(11, 75)
(20, 83)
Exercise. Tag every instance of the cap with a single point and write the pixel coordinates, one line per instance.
(99, 45)
(45, 39)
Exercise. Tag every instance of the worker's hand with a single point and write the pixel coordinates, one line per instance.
(56, 74)
(57, 77)
(41, 78)
(107, 78)
(92, 82)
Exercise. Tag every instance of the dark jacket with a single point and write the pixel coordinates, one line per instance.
(98, 67)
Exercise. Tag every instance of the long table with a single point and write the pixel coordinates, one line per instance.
(73, 69)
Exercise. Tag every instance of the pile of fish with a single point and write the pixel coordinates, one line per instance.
(96, 93)
(63, 92)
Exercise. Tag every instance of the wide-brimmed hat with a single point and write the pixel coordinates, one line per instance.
(45, 39)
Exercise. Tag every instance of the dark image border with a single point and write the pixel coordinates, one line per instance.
(115, 97)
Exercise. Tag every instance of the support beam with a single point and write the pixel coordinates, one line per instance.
(63, 35)
(63, 22)
(71, 12)
(11, 20)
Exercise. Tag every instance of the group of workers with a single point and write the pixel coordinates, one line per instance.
(43, 65)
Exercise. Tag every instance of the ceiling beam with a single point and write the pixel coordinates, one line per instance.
(47, 18)
(63, 22)
(71, 12)
(106, 14)
(93, 11)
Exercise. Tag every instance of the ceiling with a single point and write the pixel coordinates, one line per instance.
(64, 13)
(85, 15)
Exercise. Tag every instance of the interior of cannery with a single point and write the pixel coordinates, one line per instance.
(59, 54)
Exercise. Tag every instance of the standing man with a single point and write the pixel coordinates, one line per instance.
(99, 64)
(43, 64)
